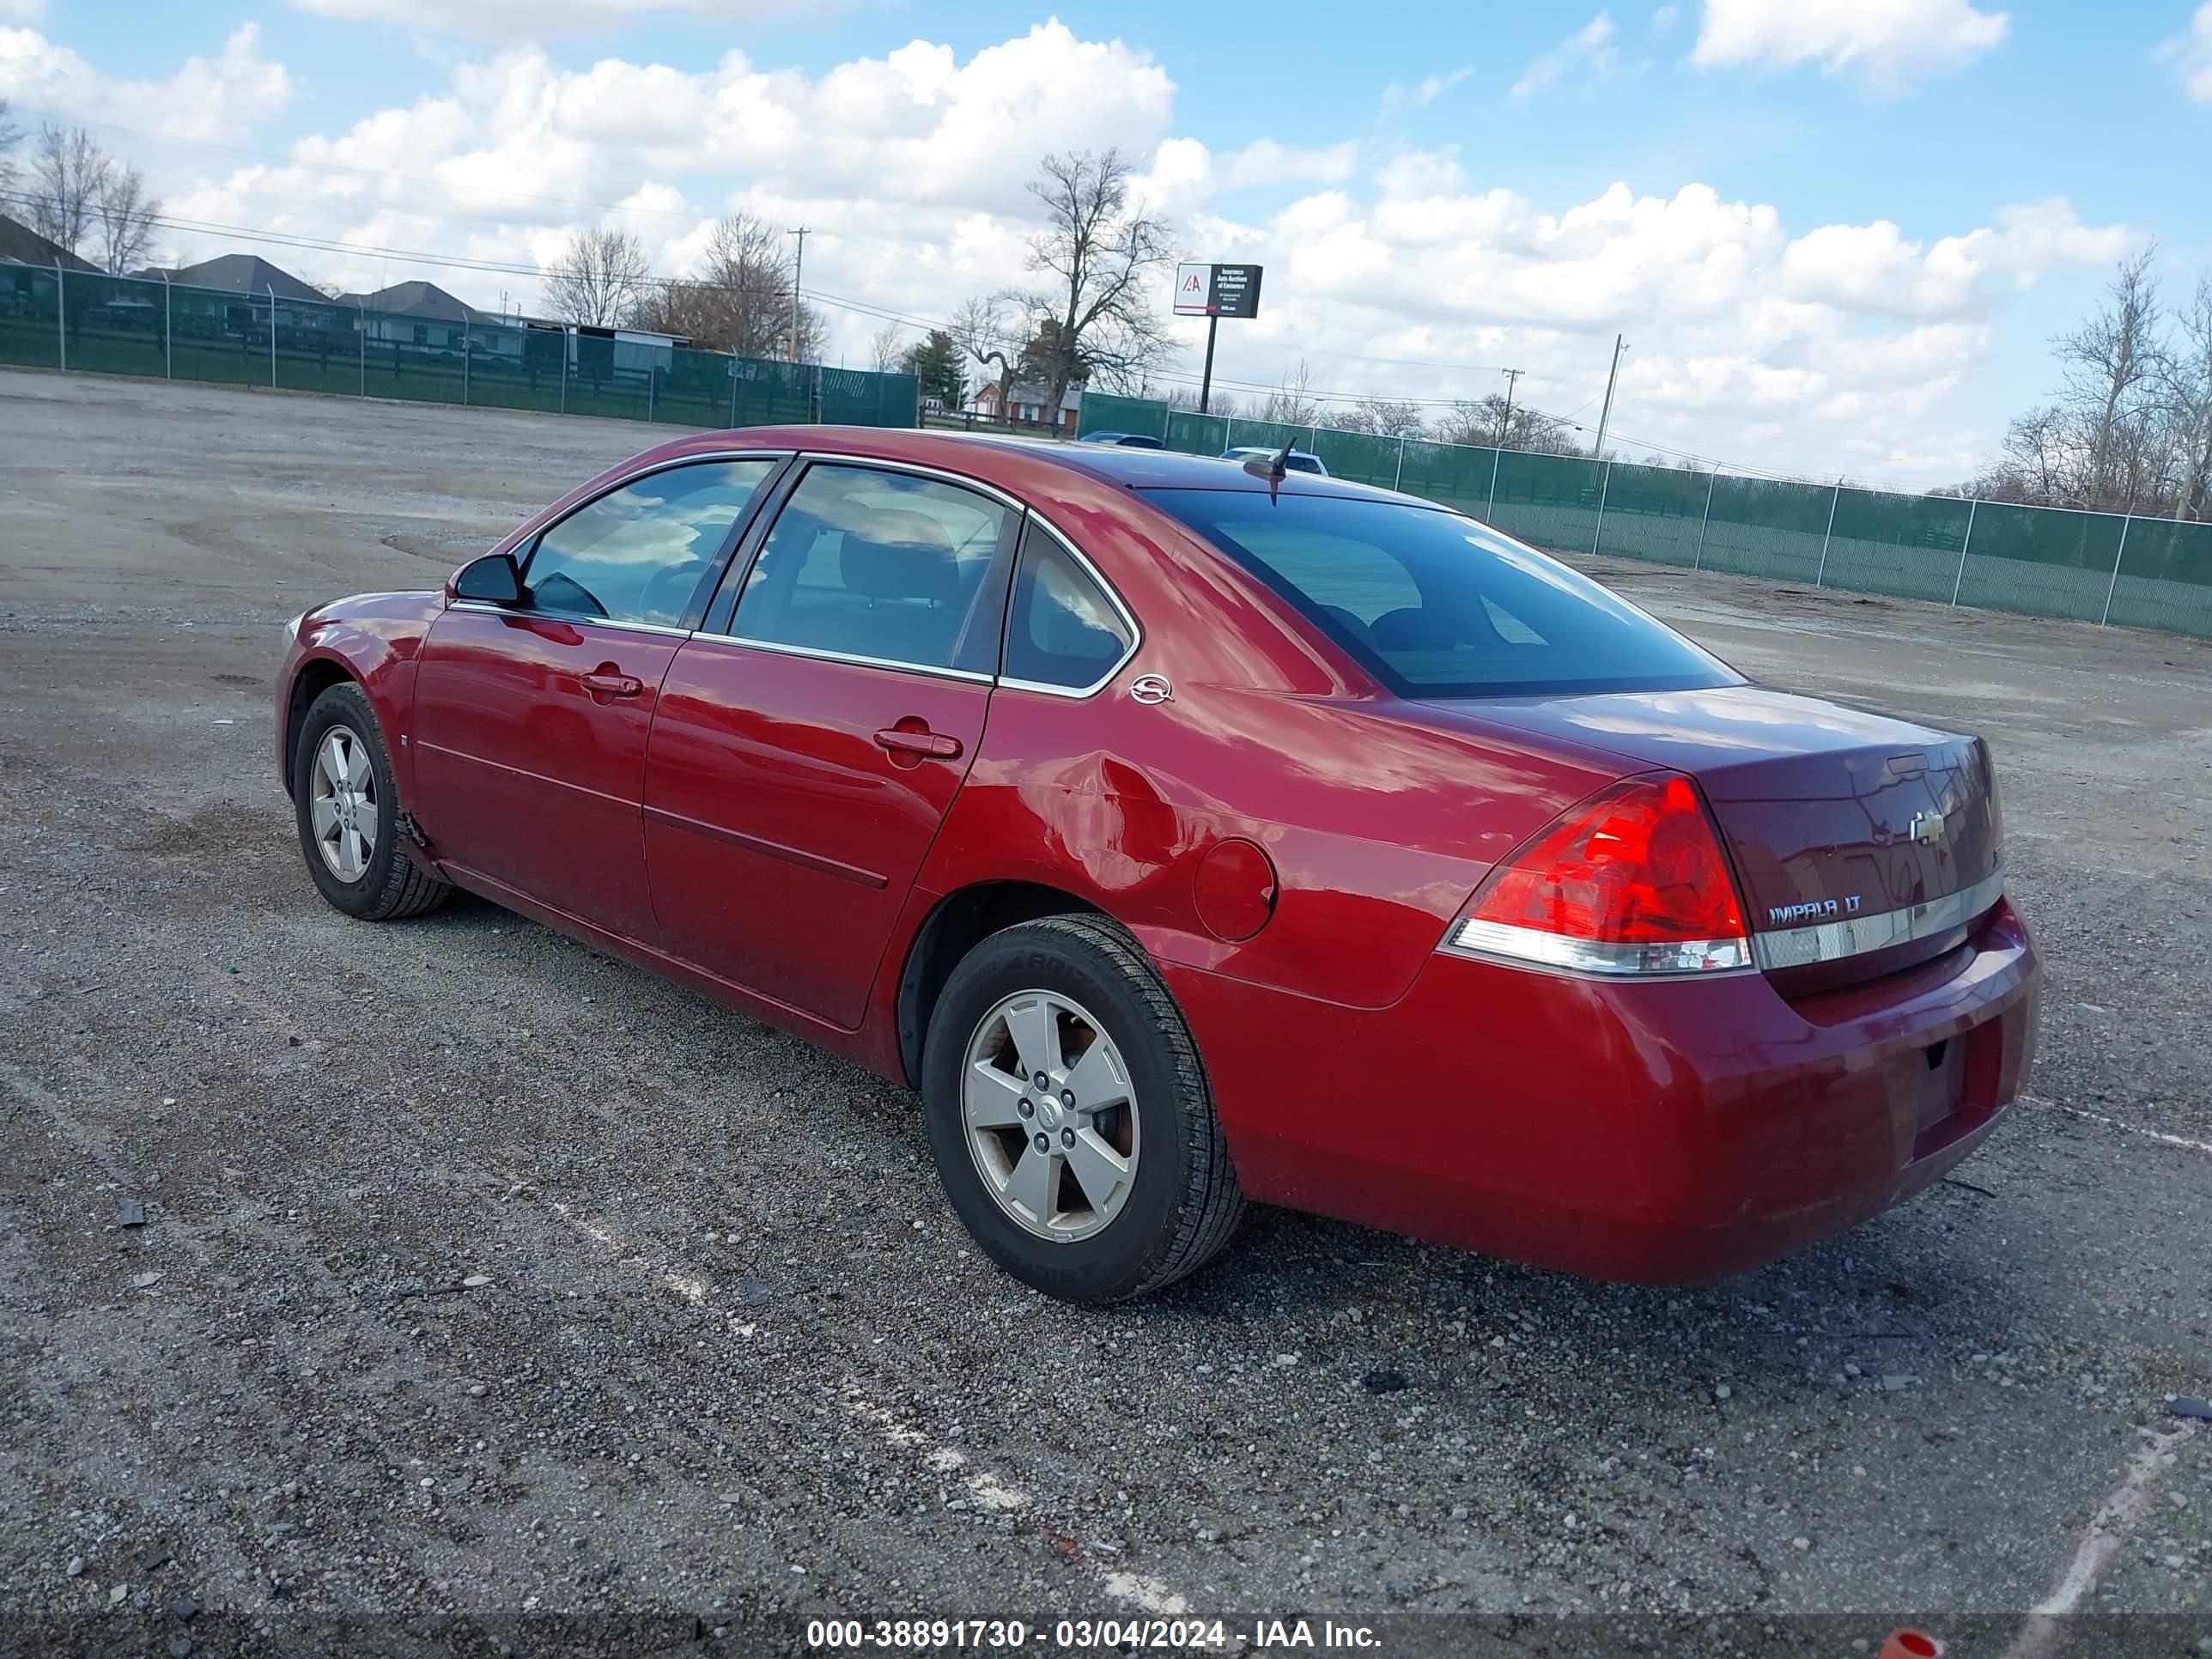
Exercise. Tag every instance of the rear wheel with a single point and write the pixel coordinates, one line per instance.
(348, 813)
(1072, 1124)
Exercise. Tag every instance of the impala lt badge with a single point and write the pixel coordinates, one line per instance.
(1785, 916)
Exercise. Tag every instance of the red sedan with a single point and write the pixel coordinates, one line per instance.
(1189, 835)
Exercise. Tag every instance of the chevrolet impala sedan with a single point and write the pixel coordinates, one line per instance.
(1190, 836)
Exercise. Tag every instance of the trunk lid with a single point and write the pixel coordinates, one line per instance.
(1864, 844)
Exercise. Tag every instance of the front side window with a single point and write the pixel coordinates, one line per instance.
(879, 565)
(637, 553)
(1436, 605)
(1061, 628)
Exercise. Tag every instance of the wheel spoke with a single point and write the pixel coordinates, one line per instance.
(1032, 1182)
(349, 856)
(357, 764)
(332, 759)
(1078, 1166)
(991, 1096)
(364, 818)
(325, 812)
(1035, 1028)
(1095, 1080)
(1099, 1169)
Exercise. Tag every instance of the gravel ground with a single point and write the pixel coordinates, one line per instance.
(493, 1293)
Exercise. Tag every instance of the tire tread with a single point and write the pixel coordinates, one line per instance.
(408, 889)
(1213, 1204)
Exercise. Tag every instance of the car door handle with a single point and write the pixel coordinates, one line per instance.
(935, 744)
(613, 685)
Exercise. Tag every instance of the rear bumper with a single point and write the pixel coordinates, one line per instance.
(1664, 1132)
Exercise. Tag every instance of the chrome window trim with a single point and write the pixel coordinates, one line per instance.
(1831, 941)
(775, 457)
(531, 541)
(961, 480)
(815, 654)
(1075, 694)
(871, 462)
(527, 613)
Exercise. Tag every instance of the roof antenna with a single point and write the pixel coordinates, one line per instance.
(1273, 469)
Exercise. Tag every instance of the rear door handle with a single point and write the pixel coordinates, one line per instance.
(935, 744)
(613, 685)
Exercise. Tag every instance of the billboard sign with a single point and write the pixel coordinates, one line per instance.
(1216, 290)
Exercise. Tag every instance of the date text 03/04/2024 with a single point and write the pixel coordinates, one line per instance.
(1087, 1635)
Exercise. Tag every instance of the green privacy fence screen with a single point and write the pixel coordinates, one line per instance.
(127, 326)
(2043, 562)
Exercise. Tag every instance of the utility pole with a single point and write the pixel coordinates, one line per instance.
(798, 271)
(1605, 413)
(1206, 380)
(1505, 426)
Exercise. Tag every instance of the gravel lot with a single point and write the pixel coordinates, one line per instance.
(492, 1291)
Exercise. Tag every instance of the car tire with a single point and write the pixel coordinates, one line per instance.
(1179, 1202)
(368, 876)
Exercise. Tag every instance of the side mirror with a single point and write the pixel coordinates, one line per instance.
(492, 580)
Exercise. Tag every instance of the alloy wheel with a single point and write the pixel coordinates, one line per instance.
(341, 803)
(1051, 1116)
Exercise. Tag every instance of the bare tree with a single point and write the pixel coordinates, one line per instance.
(981, 329)
(599, 278)
(1292, 403)
(127, 214)
(1096, 252)
(1382, 417)
(2112, 362)
(1485, 422)
(68, 171)
(1219, 403)
(886, 347)
(740, 299)
(2186, 386)
(10, 135)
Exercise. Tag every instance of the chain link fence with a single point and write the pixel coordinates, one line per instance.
(81, 320)
(2041, 562)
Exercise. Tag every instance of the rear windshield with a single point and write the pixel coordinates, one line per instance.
(1436, 605)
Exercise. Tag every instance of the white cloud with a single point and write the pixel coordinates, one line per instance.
(1872, 269)
(22, 11)
(532, 19)
(2191, 53)
(1832, 351)
(1665, 18)
(911, 164)
(1591, 43)
(1424, 91)
(1812, 349)
(1887, 44)
(1266, 162)
(218, 98)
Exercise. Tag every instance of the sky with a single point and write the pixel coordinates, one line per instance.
(1838, 235)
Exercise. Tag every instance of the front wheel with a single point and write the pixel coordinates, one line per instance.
(349, 813)
(1071, 1119)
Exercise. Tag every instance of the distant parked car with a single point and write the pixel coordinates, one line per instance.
(1125, 440)
(1298, 460)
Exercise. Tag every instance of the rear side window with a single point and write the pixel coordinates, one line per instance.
(879, 565)
(1436, 605)
(1062, 630)
(636, 554)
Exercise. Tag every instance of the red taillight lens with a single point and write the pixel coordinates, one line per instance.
(1631, 881)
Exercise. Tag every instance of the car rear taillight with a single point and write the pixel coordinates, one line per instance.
(1629, 882)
